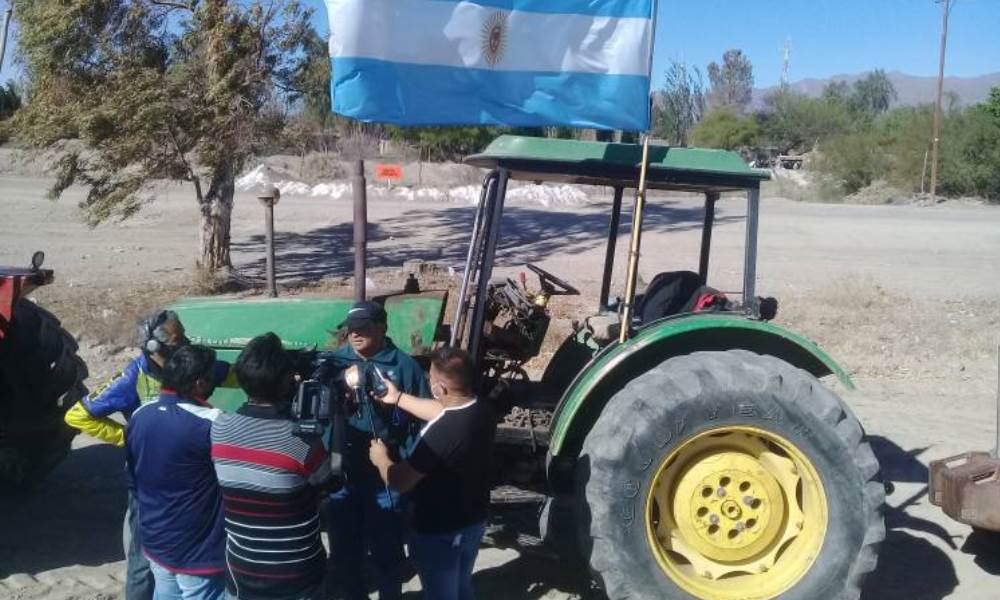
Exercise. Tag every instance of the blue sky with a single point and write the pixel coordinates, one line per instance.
(828, 37)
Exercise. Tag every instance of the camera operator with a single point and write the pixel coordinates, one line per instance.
(448, 472)
(364, 514)
(273, 548)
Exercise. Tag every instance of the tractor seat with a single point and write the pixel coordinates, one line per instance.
(670, 293)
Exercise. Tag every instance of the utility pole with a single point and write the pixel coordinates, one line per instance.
(937, 104)
(3, 34)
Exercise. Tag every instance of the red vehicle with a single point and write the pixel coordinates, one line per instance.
(41, 377)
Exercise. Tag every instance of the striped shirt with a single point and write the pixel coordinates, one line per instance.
(273, 547)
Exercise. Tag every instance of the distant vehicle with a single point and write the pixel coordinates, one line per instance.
(788, 161)
(770, 157)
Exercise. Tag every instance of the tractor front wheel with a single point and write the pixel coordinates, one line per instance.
(728, 475)
(41, 377)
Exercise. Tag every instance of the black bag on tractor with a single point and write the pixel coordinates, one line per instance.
(676, 293)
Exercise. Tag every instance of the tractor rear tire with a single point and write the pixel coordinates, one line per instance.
(677, 434)
(41, 377)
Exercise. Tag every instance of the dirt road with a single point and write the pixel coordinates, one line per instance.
(905, 297)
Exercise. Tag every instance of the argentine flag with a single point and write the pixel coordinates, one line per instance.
(518, 63)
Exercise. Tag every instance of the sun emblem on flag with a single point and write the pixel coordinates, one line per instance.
(494, 37)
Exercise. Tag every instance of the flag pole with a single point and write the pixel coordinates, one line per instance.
(632, 277)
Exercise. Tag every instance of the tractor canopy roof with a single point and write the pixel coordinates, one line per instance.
(617, 165)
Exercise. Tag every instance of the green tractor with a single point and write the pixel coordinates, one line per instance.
(682, 445)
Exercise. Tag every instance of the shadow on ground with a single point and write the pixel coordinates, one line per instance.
(984, 547)
(528, 235)
(514, 564)
(536, 577)
(909, 565)
(73, 518)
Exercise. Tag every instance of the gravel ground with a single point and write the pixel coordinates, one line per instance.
(904, 296)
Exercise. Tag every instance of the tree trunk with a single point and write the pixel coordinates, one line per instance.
(216, 213)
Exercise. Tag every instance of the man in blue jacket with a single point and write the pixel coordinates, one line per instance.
(136, 385)
(364, 517)
(169, 457)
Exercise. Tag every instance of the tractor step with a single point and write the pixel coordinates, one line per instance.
(966, 487)
(525, 427)
(509, 494)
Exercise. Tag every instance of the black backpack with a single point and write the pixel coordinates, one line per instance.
(677, 292)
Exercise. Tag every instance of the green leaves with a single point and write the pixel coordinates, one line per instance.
(155, 89)
(10, 100)
(680, 104)
(731, 82)
(993, 104)
(894, 147)
(723, 128)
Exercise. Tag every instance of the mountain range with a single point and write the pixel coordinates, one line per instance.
(911, 89)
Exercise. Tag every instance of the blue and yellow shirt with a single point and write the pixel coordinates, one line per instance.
(136, 385)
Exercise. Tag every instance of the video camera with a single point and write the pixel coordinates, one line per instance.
(335, 390)
(313, 408)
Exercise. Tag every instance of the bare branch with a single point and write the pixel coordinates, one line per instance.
(180, 155)
(172, 4)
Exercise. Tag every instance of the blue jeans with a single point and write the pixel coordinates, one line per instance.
(444, 562)
(138, 577)
(362, 520)
(178, 586)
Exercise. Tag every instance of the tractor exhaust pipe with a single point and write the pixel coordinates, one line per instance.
(358, 185)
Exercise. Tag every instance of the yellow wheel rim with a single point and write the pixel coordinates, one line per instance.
(736, 513)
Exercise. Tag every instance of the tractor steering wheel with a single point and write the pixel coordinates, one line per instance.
(548, 279)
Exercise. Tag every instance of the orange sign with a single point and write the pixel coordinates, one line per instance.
(389, 172)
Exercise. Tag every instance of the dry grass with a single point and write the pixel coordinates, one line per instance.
(110, 316)
(874, 332)
(870, 331)
(801, 187)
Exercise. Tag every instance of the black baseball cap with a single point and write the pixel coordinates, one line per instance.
(364, 313)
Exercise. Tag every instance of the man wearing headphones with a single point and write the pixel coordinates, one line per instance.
(136, 385)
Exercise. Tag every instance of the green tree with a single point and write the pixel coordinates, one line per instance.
(723, 128)
(970, 153)
(680, 104)
(10, 100)
(837, 91)
(993, 104)
(854, 159)
(906, 144)
(306, 82)
(158, 89)
(873, 94)
(793, 122)
(893, 148)
(447, 143)
(732, 82)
